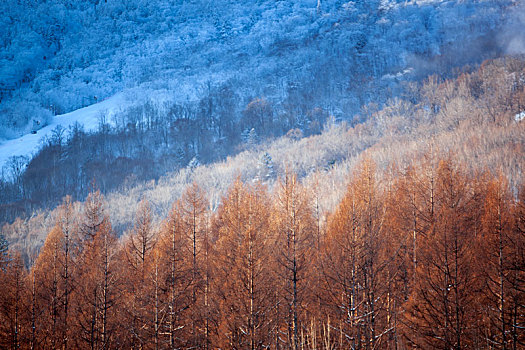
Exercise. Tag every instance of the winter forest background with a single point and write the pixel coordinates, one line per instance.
(262, 174)
(199, 81)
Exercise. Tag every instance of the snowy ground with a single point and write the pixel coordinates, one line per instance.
(89, 117)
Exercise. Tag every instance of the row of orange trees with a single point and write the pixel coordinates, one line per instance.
(430, 256)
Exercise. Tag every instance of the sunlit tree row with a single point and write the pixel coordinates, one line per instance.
(429, 256)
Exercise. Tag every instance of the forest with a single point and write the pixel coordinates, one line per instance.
(419, 241)
(428, 256)
(60, 55)
(371, 197)
(204, 81)
(410, 234)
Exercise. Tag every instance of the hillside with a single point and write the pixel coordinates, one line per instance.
(472, 118)
(63, 56)
(204, 82)
(425, 196)
(260, 174)
(26, 146)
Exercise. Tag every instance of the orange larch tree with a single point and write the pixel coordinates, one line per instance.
(138, 285)
(172, 278)
(14, 304)
(358, 281)
(343, 263)
(442, 306)
(97, 279)
(52, 281)
(194, 224)
(244, 275)
(497, 249)
(294, 224)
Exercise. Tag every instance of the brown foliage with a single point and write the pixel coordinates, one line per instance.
(244, 276)
(429, 256)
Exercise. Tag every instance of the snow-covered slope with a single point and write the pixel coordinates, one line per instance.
(329, 52)
(89, 117)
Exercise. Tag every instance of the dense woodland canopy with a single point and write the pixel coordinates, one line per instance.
(429, 256)
(423, 247)
(60, 55)
(472, 116)
(204, 80)
(403, 227)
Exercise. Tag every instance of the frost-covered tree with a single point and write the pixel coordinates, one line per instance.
(194, 163)
(265, 168)
(250, 138)
(4, 246)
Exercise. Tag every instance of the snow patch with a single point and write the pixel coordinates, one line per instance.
(520, 116)
(398, 75)
(27, 145)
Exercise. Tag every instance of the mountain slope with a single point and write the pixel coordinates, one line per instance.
(470, 119)
(59, 55)
(207, 80)
(89, 117)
